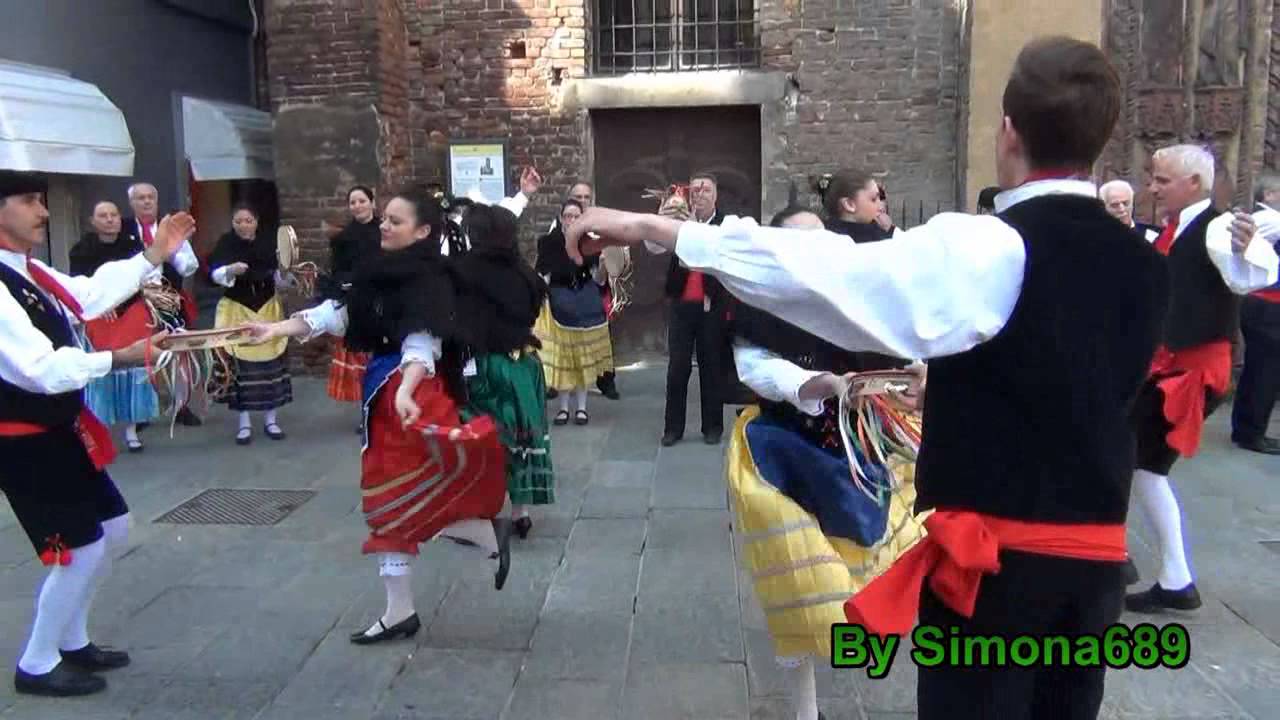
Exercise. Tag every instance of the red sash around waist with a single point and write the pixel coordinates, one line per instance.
(958, 550)
(95, 436)
(1183, 376)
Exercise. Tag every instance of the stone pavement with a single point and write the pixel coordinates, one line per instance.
(623, 603)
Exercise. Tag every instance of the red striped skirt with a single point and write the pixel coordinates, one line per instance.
(415, 482)
(346, 374)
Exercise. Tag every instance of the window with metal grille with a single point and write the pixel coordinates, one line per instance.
(671, 35)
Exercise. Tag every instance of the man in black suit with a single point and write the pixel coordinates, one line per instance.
(1117, 196)
(697, 324)
(143, 224)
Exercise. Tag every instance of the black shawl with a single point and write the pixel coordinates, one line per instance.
(356, 242)
(91, 253)
(257, 285)
(500, 301)
(860, 232)
(553, 261)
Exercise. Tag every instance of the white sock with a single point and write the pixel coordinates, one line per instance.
(115, 533)
(246, 423)
(61, 597)
(564, 402)
(477, 532)
(519, 511)
(804, 690)
(270, 419)
(395, 569)
(131, 433)
(1162, 513)
(580, 394)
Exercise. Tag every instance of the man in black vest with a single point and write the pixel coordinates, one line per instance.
(1260, 326)
(1027, 454)
(1192, 369)
(54, 449)
(697, 324)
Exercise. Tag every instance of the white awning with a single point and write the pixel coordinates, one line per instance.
(51, 122)
(225, 141)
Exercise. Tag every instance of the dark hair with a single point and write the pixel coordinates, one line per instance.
(1063, 98)
(787, 213)
(245, 207)
(987, 197)
(426, 211)
(843, 184)
(703, 175)
(571, 203)
(581, 182)
(491, 227)
(362, 188)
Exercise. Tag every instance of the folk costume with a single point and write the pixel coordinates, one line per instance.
(56, 452)
(1025, 460)
(356, 241)
(1259, 386)
(446, 472)
(573, 327)
(865, 232)
(260, 376)
(1189, 376)
(500, 301)
(125, 396)
(810, 537)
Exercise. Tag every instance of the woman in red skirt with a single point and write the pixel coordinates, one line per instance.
(428, 466)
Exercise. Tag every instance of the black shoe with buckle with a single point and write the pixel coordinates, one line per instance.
(94, 659)
(407, 628)
(1158, 599)
(61, 681)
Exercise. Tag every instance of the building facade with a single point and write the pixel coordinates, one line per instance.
(766, 94)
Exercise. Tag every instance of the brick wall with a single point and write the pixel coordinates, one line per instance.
(1271, 157)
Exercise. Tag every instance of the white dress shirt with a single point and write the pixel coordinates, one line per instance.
(184, 261)
(328, 317)
(1255, 269)
(222, 276)
(937, 289)
(27, 356)
(773, 377)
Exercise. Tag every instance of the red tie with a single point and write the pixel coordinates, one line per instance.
(51, 286)
(147, 237)
(1165, 242)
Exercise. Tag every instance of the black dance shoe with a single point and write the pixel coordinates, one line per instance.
(95, 659)
(502, 529)
(608, 386)
(61, 681)
(1158, 599)
(407, 627)
(523, 526)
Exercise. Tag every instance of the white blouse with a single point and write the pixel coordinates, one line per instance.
(330, 318)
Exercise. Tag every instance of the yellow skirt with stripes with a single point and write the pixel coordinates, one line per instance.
(231, 313)
(572, 357)
(801, 576)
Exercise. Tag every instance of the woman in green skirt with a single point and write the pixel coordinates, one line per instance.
(499, 303)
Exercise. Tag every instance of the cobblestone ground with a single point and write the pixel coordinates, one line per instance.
(625, 601)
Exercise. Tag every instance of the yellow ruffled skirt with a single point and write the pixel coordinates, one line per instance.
(802, 577)
(572, 357)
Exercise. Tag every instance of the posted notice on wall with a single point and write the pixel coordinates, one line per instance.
(478, 172)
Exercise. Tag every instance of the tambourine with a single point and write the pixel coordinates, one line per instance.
(874, 428)
(205, 339)
(286, 247)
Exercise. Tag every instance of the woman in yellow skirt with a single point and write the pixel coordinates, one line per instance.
(810, 537)
(244, 262)
(572, 327)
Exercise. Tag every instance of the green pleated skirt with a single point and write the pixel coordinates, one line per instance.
(512, 390)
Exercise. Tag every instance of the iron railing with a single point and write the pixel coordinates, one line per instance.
(675, 35)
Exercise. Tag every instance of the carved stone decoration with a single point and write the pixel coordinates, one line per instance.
(1219, 111)
(1224, 40)
(1161, 113)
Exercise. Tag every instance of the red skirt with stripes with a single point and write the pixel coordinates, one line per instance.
(416, 481)
(346, 374)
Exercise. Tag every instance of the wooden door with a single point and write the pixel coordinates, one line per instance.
(653, 148)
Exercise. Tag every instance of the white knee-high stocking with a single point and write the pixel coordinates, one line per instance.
(396, 572)
(1161, 509)
(62, 595)
(115, 532)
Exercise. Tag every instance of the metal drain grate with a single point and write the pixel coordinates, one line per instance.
(1272, 545)
(237, 507)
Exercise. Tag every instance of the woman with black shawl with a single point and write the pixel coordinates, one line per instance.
(244, 262)
(358, 240)
(125, 395)
(811, 537)
(500, 301)
(428, 467)
(573, 328)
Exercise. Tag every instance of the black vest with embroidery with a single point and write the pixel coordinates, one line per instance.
(17, 404)
(1033, 424)
(1202, 308)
